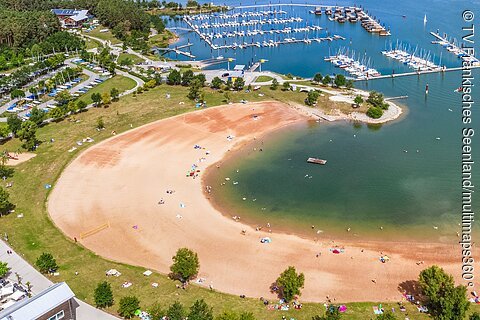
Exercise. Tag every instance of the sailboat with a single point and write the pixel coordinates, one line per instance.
(425, 19)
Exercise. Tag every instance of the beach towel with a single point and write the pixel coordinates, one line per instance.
(376, 310)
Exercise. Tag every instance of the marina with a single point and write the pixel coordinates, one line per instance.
(239, 29)
(451, 46)
(360, 70)
(420, 62)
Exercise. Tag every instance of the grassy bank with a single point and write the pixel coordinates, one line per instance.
(120, 82)
(35, 232)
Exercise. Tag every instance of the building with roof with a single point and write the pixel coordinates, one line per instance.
(54, 303)
(72, 18)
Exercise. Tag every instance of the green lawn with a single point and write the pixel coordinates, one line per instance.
(90, 43)
(108, 36)
(263, 79)
(136, 59)
(120, 82)
(35, 232)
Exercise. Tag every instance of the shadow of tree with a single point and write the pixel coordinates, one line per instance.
(412, 287)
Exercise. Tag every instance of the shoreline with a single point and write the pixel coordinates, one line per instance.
(123, 181)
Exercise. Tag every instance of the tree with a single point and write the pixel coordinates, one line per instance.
(185, 264)
(37, 115)
(312, 97)
(340, 80)
(374, 112)
(46, 263)
(14, 123)
(238, 84)
(200, 311)
(445, 301)
(63, 97)
(332, 313)
(358, 99)
(5, 205)
(17, 93)
(194, 90)
(274, 84)
(155, 311)
(387, 315)
(317, 78)
(326, 80)
(103, 295)
(216, 83)
(474, 316)
(230, 315)
(247, 316)
(128, 306)
(81, 105)
(174, 78)
(187, 77)
(286, 86)
(176, 311)
(56, 113)
(96, 98)
(114, 94)
(28, 134)
(290, 283)
(376, 99)
(106, 98)
(3, 269)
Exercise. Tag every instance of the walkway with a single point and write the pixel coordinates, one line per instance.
(40, 282)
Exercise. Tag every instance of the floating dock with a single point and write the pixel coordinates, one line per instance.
(316, 161)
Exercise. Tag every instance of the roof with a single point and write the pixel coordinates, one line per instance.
(32, 308)
(65, 12)
(239, 67)
(81, 15)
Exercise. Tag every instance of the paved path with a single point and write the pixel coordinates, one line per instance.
(40, 282)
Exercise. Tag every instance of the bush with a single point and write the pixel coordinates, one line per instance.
(3, 269)
(185, 264)
(103, 295)
(358, 99)
(374, 112)
(128, 306)
(46, 263)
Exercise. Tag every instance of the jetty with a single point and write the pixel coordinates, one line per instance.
(356, 68)
(316, 161)
(453, 48)
(175, 49)
(417, 73)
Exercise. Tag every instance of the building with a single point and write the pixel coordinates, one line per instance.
(72, 18)
(54, 303)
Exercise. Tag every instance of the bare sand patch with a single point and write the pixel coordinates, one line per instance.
(116, 186)
(20, 158)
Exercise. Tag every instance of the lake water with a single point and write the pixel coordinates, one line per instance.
(369, 181)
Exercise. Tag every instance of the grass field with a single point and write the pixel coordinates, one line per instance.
(120, 82)
(263, 79)
(108, 36)
(90, 44)
(136, 59)
(35, 232)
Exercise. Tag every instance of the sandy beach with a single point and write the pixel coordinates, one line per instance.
(113, 198)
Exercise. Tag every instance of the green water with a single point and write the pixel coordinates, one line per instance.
(369, 181)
